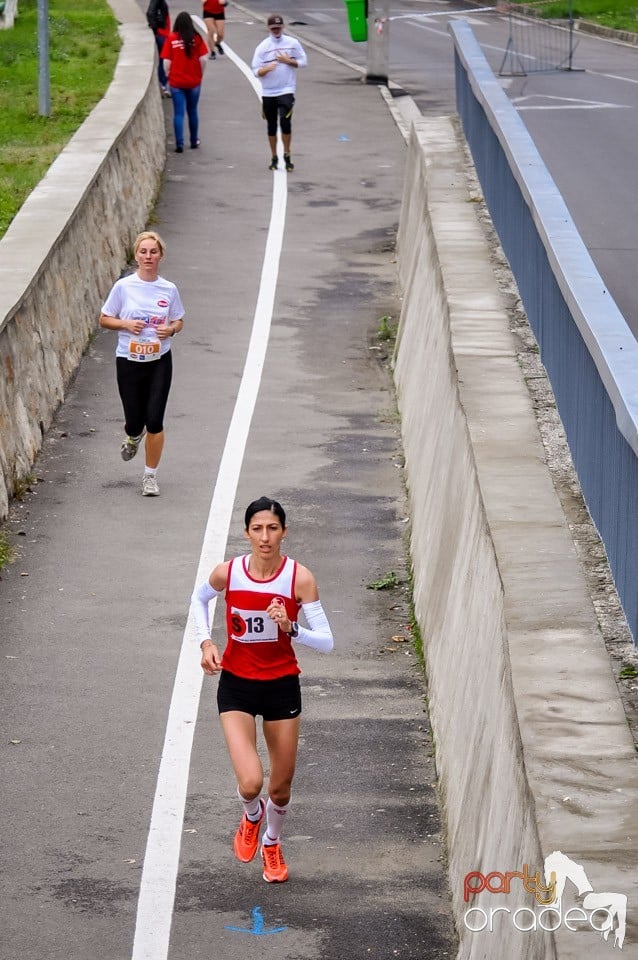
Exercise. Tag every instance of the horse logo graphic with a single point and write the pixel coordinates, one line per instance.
(613, 904)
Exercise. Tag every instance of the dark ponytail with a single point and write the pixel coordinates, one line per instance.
(184, 28)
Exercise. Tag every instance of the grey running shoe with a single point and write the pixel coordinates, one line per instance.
(149, 486)
(130, 446)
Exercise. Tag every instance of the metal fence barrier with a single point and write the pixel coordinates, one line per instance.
(536, 44)
(589, 352)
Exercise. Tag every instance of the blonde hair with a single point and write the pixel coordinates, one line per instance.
(148, 235)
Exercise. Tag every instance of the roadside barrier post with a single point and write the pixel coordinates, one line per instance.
(378, 62)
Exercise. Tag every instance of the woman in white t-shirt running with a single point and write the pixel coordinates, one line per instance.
(146, 310)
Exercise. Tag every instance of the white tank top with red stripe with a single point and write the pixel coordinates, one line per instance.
(257, 649)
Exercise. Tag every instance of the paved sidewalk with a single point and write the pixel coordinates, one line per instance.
(93, 611)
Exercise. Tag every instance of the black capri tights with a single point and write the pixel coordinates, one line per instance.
(144, 389)
(278, 108)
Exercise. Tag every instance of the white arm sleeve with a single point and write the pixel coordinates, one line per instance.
(202, 596)
(319, 636)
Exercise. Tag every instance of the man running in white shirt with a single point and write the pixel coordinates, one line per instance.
(275, 62)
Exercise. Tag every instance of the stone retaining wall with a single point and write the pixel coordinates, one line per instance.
(69, 243)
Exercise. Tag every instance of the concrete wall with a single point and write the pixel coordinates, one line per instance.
(68, 244)
(8, 14)
(532, 746)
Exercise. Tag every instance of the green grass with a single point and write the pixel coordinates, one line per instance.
(385, 583)
(387, 329)
(415, 628)
(617, 14)
(83, 49)
(7, 553)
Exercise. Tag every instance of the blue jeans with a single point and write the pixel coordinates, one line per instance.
(161, 73)
(185, 101)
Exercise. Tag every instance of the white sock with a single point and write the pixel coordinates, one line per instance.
(252, 808)
(150, 471)
(275, 816)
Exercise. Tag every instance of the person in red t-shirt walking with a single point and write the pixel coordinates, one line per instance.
(264, 592)
(214, 12)
(184, 55)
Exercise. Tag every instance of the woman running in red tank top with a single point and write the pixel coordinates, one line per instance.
(259, 673)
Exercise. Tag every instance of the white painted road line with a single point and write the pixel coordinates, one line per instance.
(161, 861)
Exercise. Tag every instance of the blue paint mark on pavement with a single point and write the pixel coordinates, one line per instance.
(342, 136)
(258, 929)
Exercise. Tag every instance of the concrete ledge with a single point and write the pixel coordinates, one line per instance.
(533, 750)
(8, 13)
(68, 244)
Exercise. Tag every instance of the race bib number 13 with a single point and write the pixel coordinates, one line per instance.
(252, 626)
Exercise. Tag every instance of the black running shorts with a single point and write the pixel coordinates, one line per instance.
(280, 107)
(271, 699)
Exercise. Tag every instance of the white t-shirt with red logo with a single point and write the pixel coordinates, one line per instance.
(157, 302)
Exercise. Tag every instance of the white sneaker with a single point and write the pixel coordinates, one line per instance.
(130, 446)
(150, 486)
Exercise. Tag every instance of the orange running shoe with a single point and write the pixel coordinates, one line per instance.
(275, 869)
(246, 839)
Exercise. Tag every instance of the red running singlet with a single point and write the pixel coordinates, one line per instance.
(257, 649)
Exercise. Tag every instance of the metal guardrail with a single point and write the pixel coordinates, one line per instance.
(536, 44)
(589, 352)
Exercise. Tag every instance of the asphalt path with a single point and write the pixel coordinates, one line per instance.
(583, 120)
(118, 801)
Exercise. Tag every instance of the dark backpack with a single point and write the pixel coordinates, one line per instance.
(156, 14)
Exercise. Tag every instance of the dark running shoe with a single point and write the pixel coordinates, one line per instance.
(289, 164)
(130, 446)
(274, 163)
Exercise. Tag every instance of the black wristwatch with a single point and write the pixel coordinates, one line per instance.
(294, 629)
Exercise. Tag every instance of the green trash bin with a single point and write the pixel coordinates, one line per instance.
(357, 19)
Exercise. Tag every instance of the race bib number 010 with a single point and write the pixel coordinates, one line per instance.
(144, 349)
(252, 626)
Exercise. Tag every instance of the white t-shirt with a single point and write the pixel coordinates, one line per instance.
(155, 301)
(284, 78)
